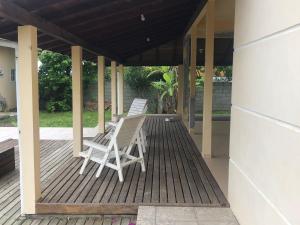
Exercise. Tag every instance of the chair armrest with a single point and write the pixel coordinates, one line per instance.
(113, 124)
(117, 117)
(94, 145)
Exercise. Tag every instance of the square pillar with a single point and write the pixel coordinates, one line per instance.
(101, 94)
(113, 89)
(77, 99)
(186, 72)
(208, 80)
(180, 94)
(28, 114)
(193, 74)
(121, 90)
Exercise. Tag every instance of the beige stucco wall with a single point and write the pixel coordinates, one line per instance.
(7, 86)
(264, 165)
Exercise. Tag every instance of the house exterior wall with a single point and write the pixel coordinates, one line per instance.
(7, 86)
(264, 165)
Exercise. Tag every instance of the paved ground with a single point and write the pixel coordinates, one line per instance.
(150, 215)
(47, 133)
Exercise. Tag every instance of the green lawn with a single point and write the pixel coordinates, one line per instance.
(60, 119)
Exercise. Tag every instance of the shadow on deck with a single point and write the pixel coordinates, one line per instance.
(176, 175)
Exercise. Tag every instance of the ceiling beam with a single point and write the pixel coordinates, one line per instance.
(198, 15)
(19, 15)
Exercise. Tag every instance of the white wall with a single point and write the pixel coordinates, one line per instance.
(264, 171)
(7, 86)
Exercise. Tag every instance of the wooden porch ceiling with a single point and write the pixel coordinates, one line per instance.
(106, 27)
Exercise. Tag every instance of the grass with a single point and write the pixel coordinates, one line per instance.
(60, 119)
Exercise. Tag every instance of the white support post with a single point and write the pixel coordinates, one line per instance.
(28, 95)
(208, 80)
(180, 95)
(101, 94)
(121, 90)
(193, 74)
(113, 89)
(77, 99)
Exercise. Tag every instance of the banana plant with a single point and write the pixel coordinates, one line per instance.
(167, 92)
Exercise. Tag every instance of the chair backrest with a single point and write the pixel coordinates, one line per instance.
(138, 106)
(127, 130)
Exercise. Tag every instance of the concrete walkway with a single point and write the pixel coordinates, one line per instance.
(150, 215)
(48, 133)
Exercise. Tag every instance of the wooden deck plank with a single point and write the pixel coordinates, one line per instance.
(117, 190)
(202, 183)
(185, 164)
(175, 170)
(10, 204)
(149, 169)
(142, 178)
(171, 198)
(205, 175)
(126, 183)
(134, 184)
(156, 166)
(163, 198)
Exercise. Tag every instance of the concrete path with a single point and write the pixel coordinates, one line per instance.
(48, 133)
(150, 215)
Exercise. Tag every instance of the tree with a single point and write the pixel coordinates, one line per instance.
(167, 92)
(55, 81)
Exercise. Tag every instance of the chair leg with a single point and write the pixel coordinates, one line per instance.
(119, 167)
(144, 133)
(141, 155)
(143, 141)
(86, 160)
(102, 164)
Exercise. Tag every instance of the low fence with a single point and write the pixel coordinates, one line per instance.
(221, 96)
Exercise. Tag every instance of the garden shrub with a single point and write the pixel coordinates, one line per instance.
(55, 81)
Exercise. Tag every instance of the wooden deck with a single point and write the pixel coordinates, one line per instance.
(10, 192)
(176, 175)
(77, 220)
(10, 184)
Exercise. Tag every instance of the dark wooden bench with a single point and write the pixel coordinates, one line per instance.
(7, 158)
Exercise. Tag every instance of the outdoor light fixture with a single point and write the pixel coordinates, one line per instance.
(148, 39)
(143, 17)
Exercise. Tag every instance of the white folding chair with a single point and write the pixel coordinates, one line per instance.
(138, 106)
(119, 149)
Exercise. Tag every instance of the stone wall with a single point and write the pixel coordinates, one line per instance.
(221, 96)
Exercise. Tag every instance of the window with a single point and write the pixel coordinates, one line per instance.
(13, 75)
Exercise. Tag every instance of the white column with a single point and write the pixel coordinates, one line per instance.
(113, 89)
(101, 94)
(208, 80)
(193, 74)
(28, 96)
(121, 90)
(180, 96)
(77, 99)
